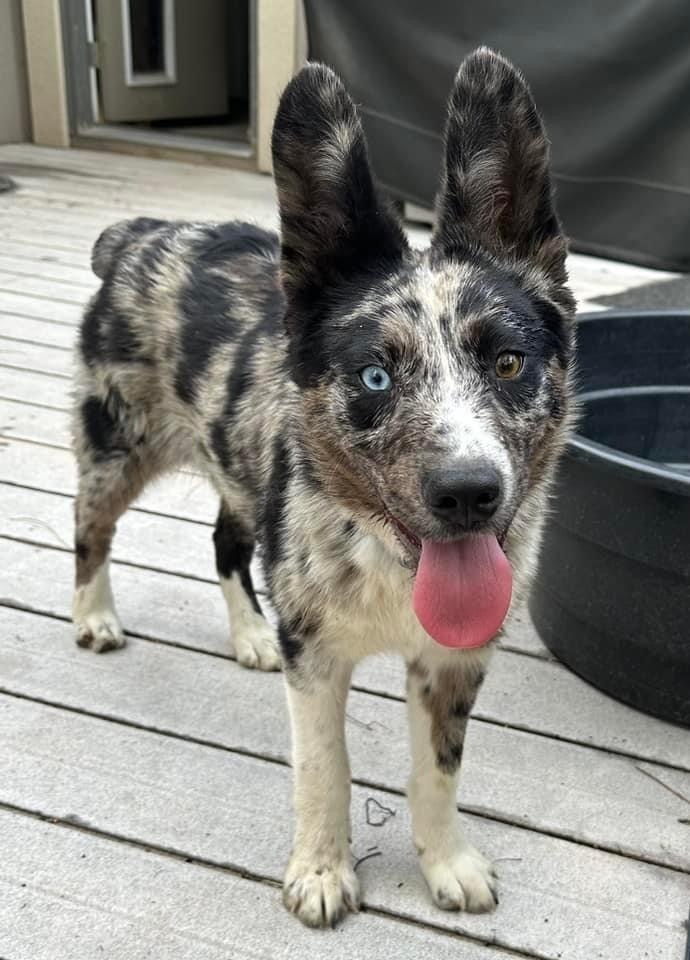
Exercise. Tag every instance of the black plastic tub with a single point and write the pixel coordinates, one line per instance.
(612, 599)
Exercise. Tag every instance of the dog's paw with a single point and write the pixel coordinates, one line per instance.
(256, 645)
(463, 880)
(100, 631)
(320, 894)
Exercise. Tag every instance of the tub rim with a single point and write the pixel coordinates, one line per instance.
(610, 460)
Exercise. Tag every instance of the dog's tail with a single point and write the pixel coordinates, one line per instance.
(115, 239)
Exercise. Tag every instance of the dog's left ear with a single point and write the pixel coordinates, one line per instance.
(496, 188)
(334, 223)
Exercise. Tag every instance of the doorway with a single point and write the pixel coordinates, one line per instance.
(172, 74)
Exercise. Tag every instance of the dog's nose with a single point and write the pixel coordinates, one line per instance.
(464, 494)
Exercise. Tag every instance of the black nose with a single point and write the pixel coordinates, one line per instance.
(464, 494)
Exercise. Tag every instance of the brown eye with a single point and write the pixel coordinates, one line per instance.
(509, 365)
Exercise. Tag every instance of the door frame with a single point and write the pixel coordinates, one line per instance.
(63, 93)
(85, 128)
(45, 67)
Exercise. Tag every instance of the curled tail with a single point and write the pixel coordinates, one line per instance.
(115, 239)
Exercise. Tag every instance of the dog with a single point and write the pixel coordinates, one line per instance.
(384, 422)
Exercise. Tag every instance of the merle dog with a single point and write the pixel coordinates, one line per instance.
(384, 422)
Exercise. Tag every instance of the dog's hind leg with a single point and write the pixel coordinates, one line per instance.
(254, 639)
(439, 699)
(112, 470)
(105, 491)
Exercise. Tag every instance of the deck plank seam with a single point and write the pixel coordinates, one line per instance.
(356, 781)
(252, 877)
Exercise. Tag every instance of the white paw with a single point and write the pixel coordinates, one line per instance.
(464, 880)
(100, 631)
(320, 893)
(256, 644)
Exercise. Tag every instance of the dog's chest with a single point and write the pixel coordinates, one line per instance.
(374, 614)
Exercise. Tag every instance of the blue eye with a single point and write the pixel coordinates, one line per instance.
(375, 378)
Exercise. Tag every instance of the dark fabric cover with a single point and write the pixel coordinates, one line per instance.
(611, 78)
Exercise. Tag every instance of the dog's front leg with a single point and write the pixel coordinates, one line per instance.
(439, 700)
(320, 884)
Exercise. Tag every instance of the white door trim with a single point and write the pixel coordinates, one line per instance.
(281, 52)
(169, 74)
(46, 72)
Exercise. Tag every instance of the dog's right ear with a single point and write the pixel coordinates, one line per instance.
(334, 224)
(496, 188)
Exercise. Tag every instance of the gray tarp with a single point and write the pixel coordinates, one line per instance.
(611, 78)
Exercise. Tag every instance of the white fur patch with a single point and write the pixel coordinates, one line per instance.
(336, 147)
(93, 612)
(320, 892)
(460, 878)
(471, 436)
(253, 638)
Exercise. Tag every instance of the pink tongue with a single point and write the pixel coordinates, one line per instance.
(462, 590)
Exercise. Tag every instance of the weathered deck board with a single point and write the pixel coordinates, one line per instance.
(129, 185)
(32, 266)
(539, 695)
(53, 290)
(37, 331)
(87, 219)
(215, 804)
(507, 774)
(88, 170)
(51, 358)
(50, 238)
(35, 388)
(36, 357)
(69, 895)
(90, 217)
(43, 308)
(165, 199)
(60, 291)
(32, 422)
(37, 249)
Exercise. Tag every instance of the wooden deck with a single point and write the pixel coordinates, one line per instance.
(145, 794)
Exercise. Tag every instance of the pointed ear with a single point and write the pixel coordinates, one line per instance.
(496, 188)
(334, 224)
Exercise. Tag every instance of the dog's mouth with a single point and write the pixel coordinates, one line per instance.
(412, 543)
(462, 587)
